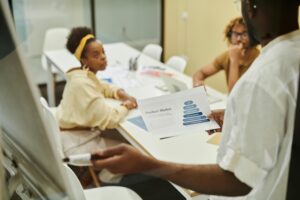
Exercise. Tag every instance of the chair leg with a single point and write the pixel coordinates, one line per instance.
(54, 88)
(94, 177)
(86, 175)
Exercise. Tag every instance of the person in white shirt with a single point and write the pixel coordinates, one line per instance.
(254, 155)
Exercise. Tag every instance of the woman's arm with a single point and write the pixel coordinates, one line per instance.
(203, 73)
(236, 56)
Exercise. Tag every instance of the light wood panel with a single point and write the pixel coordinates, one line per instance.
(199, 37)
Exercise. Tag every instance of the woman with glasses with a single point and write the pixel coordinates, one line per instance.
(236, 60)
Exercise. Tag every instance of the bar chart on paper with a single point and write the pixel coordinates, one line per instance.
(176, 114)
(192, 114)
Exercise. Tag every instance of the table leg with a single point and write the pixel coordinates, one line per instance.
(50, 85)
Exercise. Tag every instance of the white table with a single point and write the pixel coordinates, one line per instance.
(118, 55)
(191, 148)
(62, 60)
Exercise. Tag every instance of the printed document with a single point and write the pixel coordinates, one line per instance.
(177, 113)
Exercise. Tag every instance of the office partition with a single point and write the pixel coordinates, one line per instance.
(135, 22)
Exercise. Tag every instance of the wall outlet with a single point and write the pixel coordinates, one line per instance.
(184, 15)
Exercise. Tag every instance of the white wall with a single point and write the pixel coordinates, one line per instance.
(136, 22)
(34, 17)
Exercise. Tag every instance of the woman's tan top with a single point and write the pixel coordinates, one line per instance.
(222, 62)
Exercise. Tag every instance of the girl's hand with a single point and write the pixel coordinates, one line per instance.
(129, 104)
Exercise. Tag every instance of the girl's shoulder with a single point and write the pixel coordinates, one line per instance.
(79, 78)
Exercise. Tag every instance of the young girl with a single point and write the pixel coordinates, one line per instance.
(83, 105)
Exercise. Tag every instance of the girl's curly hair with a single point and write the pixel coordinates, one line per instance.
(75, 37)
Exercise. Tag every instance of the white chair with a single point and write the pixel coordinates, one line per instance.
(100, 193)
(54, 128)
(55, 39)
(153, 50)
(176, 62)
(53, 125)
(103, 193)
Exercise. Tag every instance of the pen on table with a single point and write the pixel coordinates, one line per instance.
(155, 67)
(82, 158)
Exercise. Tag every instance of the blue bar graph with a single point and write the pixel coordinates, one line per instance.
(192, 115)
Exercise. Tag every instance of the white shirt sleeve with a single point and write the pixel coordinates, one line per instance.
(254, 127)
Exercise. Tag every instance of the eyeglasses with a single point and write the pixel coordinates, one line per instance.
(238, 4)
(235, 35)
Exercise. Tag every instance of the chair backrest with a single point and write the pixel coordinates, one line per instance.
(75, 183)
(52, 122)
(72, 178)
(153, 50)
(55, 39)
(108, 192)
(78, 192)
(177, 63)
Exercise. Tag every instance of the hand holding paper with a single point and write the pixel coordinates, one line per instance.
(178, 113)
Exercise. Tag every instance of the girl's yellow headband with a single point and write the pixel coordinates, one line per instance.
(81, 45)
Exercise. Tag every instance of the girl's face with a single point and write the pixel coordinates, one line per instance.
(95, 58)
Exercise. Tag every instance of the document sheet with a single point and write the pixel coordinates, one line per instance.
(178, 113)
